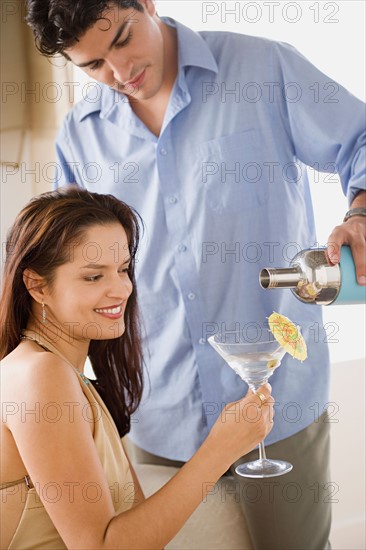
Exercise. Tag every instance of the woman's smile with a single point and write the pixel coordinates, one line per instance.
(112, 312)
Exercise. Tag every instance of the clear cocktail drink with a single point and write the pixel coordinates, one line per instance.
(254, 358)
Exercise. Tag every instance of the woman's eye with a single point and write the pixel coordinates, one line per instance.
(92, 278)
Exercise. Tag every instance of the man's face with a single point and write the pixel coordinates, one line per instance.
(124, 50)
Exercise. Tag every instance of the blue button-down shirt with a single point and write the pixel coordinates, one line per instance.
(223, 193)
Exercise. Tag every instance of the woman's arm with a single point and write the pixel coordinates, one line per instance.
(62, 454)
(241, 426)
(138, 493)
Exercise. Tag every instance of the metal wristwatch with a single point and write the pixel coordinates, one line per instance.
(354, 212)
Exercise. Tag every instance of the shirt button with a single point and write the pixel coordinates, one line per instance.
(163, 151)
(173, 199)
(182, 248)
(191, 296)
(202, 341)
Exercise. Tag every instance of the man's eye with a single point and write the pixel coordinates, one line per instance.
(125, 41)
(95, 66)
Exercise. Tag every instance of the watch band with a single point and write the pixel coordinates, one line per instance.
(354, 212)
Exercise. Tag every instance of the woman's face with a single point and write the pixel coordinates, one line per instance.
(89, 294)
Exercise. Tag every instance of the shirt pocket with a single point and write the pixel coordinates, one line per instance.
(232, 172)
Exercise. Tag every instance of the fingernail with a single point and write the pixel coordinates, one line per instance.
(362, 280)
(334, 258)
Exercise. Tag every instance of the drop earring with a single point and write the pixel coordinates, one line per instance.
(44, 316)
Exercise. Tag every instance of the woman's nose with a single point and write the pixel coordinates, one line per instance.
(121, 286)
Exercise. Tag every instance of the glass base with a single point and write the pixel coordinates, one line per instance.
(263, 468)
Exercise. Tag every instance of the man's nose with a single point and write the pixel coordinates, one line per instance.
(121, 70)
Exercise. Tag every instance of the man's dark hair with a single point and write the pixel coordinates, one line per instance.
(58, 24)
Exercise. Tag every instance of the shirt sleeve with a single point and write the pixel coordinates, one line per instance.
(67, 166)
(326, 122)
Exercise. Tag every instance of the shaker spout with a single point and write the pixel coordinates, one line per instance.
(280, 277)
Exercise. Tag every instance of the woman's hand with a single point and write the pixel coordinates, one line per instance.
(242, 425)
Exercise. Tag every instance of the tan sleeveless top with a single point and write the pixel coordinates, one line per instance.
(35, 529)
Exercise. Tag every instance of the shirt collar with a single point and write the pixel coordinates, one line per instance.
(192, 51)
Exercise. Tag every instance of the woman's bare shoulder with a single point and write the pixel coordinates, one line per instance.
(30, 374)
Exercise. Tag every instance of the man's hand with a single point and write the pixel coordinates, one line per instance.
(353, 233)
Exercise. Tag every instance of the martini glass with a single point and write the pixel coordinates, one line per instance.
(254, 358)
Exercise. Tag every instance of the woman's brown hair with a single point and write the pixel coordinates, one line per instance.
(40, 240)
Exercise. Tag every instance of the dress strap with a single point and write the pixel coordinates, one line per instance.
(44, 344)
(47, 346)
(26, 479)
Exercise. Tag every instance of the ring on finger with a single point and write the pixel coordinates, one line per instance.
(262, 397)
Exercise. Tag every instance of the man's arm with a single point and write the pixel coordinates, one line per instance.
(328, 131)
(360, 200)
(353, 233)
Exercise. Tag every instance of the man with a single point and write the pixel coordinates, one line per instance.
(219, 179)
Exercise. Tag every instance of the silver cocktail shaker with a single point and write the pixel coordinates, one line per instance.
(313, 281)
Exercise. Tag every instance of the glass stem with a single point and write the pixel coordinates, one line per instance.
(262, 452)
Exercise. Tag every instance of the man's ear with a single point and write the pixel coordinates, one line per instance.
(35, 284)
(149, 6)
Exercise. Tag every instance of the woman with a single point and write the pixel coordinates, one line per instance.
(69, 293)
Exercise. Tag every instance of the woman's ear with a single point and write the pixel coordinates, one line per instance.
(35, 284)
